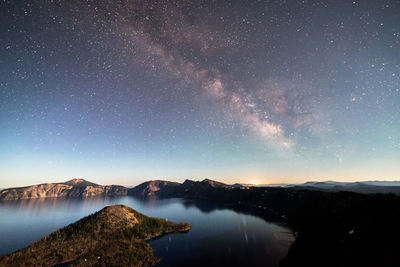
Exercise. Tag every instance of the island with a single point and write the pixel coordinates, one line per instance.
(115, 235)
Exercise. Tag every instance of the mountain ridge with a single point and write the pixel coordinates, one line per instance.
(152, 188)
(81, 188)
(75, 188)
(364, 187)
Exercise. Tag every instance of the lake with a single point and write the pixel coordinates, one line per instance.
(218, 236)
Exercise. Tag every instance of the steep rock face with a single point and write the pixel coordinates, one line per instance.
(35, 191)
(153, 188)
(72, 188)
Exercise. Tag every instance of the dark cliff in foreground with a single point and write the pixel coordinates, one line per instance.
(77, 188)
(114, 236)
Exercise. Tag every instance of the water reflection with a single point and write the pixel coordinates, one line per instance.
(227, 239)
(219, 236)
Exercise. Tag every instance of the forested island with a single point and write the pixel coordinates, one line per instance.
(113, 236)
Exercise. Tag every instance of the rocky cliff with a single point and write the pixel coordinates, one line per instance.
(188, 188)
(78, 188)
(154, 188)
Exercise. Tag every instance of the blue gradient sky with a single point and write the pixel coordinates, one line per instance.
(257, 92)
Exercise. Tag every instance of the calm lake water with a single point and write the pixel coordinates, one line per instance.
(218, 236)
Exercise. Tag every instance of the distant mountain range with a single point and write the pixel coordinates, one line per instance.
(80, 188)
(365, 187)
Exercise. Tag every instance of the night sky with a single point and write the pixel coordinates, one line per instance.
(119, 92)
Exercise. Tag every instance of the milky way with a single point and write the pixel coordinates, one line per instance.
(259, 91)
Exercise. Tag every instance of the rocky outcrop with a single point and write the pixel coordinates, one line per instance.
(76, 188)
(154, 188)
(164, 189)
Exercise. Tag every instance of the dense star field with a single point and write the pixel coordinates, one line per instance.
(251, 91)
